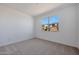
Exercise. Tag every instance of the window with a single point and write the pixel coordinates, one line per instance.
(54, 27)
(53, 23)
(50, 23)
(44, 23)
(53, 19)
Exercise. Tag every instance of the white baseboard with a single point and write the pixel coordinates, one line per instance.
(58, 42)
(4, 44)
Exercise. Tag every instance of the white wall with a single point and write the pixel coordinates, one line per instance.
(14, 26)
(67, 26)
(78, 24)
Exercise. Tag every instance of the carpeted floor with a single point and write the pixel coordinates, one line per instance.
(37, 47)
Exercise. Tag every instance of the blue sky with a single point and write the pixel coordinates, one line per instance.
(52, 19)
(44, 20)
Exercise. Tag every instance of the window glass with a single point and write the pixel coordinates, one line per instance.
(53, 19)
(44, 20)
(44, 24)
(50, 24)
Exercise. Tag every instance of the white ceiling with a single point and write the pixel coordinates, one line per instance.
(33, 8)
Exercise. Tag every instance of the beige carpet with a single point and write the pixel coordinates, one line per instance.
(37, 47)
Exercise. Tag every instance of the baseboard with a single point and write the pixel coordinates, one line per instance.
(58, 43)
(5, 44)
